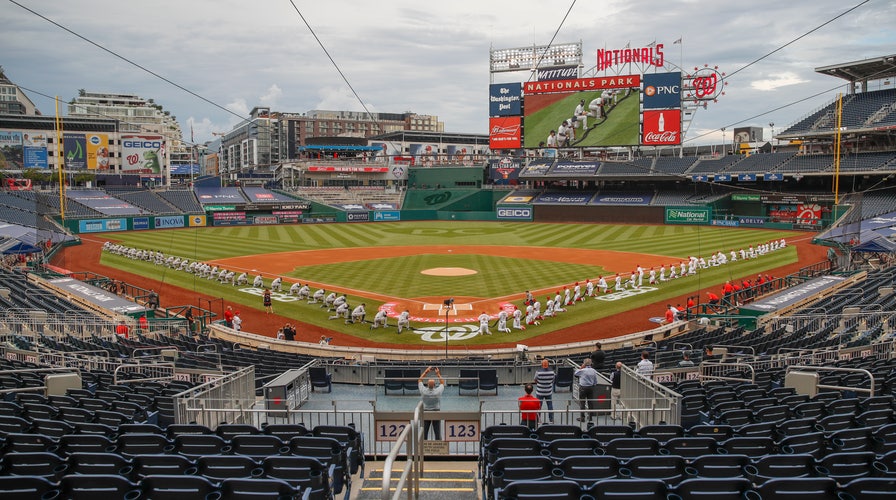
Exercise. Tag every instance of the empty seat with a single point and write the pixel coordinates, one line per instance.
(645, 489)
(662, 432)
(801, 488)
(851, 440)
(773, 466)
(549, 432)
(38, 463)
(669, 469)
(351, 441)
(24, 443)
(845, 467)
(258, 446)
(607, 433)
(509, 469)
(632, 447)
(85, 443)
(717, 432)
(540, 490)
(814, 444)
(26, 487)
(175, 430)
(749, 446)
(285, 431)
(149, 465)
(559, 449)
(142, 444)
(301, 473)
(252, 489)
(218, 467)
(587, 470)
(691, 447)
(196, 445)
(729, 488)
(870, 488)
(320, 378)
(228, 431)
(159, 487)
(91, 487)
(795, 427)
(719, 466)
(97, 463)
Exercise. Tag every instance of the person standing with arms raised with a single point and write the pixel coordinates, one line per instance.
(431, 395)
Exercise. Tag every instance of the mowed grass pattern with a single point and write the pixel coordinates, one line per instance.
(502, 275)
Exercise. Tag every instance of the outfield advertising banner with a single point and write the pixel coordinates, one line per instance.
(34, 152)
(197, 221)
(169, 222)
(565, 168)
(357, 216)
(600, 112)
(662, 90)
(569, 72)
(102, 225)
(75, 146)
(726, 222)
(504, 132)
(534, 169)
(143, 154)
(505, 99)
(688, 215)
(514, 213)
(564, 198)
(628, 199)
(138, 223)
(387, 216)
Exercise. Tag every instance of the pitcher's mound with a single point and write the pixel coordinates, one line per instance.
(448, 271)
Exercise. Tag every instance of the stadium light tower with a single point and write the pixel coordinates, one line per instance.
(772, 125)
(447, 303)
(724, 146)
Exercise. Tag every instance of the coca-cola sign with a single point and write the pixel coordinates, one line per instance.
(662, 127)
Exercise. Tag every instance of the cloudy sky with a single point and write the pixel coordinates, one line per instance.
(424, 56)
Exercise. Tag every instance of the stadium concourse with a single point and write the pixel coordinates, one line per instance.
(87, 256)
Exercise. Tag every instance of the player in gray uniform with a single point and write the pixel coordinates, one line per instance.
(341, 312)
(294, 289)
(304, 292)
(258, 282)
(277, 284)
(328, 301)
(318, 296)
(358, 314)
(404, 320)
(380, 319)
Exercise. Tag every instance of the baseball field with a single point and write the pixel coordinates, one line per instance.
(484, 266)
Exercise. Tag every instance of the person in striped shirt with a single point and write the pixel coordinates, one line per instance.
(544, 387)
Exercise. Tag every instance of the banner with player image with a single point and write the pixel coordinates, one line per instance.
(143, 154)
(35, 150)
(599, 112)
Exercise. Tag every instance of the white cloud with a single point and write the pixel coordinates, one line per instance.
(780, 80)
(272, 96)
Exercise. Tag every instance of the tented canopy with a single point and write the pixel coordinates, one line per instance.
(876, 245)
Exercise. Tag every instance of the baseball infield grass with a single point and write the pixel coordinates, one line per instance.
(495, 276)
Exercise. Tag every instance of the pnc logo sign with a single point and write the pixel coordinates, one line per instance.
(652, 90)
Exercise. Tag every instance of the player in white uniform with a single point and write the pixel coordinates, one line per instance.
(536, 309)
(502, 322)
(581, 115)
(567, 299)
(341, 312)
(358, 314)
(618, 286)
(380, 319)
(589, 288)
(552, 140)
(576, 293)
(602, 284)
(549, 307)
(663, 273)
(518, 318)
(651, 276)
(404, 320)
(595, 107)
(318, 296)
(640, 271)
(484, 318)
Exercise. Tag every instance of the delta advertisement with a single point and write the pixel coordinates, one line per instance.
(587, 112)
(144, 154)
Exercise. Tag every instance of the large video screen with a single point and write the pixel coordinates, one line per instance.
(597, 118)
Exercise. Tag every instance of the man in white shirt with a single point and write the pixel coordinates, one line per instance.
(645, 366)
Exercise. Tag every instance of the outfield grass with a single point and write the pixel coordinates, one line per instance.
(498, 276)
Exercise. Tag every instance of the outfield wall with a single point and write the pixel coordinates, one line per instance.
(618, 214)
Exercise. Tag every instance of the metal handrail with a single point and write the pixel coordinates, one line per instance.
(413, 463)
(817, 369)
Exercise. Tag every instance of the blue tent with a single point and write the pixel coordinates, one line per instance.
(14, 246)
(876, 245)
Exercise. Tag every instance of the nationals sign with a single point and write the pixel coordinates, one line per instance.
(583, 84)
(662, 127)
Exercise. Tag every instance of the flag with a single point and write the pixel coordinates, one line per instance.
(676, 41)
(651, 44)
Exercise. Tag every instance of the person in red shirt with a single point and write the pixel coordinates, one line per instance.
(143, 323)
(122, 329)
(529, 405)
(670, 316)
(713, 298)
(228, 317)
